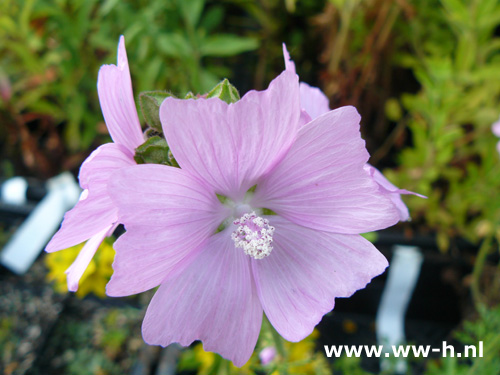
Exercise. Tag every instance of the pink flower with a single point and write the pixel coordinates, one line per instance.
(267, 355)
(94, 217)
(204, 234)
(495, 128)
(314, 103)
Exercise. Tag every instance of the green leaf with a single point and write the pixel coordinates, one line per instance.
(212, 18)
(191, 11)
(227, 45)
(150, 102)
(174, 45)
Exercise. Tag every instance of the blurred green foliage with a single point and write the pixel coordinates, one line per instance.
(455, 57)
(104, 341)
(424, 76)
(51, 52)
(485, 328)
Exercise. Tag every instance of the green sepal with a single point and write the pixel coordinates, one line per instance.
(190, 95)
(172, 160)
(150, 133)
(154, 151)
(150, 102)
(225, 91)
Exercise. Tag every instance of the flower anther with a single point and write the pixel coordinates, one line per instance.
(254, 235)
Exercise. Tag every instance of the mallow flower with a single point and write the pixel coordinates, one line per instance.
(94, 217)
(313, 103)
(264, 215)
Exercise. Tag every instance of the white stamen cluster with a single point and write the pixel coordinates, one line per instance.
(254, 235)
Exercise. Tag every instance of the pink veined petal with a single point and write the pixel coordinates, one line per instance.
(168, 215)
(321, 182)
(213, 300)
(105, 160)
(95, 210)
(307, 269)
(289, 64)
(82, 261)
(313, 100)
(304, 117)
(393, 192)
(114, 87)
(230, 146)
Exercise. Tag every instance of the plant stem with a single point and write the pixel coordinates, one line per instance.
(478, 270)
(278, 344)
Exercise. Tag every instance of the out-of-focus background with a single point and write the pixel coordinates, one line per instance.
(425, 76)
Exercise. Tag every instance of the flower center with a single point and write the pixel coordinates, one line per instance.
(254, 235)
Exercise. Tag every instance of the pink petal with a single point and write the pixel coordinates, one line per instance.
(105, 160)
(82, 261)
(305, 118)
(231, 146)
(307, 269)
(214, 300)
(321, 182)
(168, 215)
(95, 210)
(89, 216)
(313, 100)
(114, 87)
(393, 192)
(289, 64)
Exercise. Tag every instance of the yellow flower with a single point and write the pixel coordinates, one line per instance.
(206, 359)
(303, 352)
(95, 277)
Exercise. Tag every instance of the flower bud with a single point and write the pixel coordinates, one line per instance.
(154, 151)
(225, 91)
(150, 102)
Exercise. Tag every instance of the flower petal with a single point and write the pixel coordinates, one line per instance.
(392, 191)
(307, 269)
(289, 64)
(230, 146)
(168, 215)
(95, 210)
(321, 182)
(105, 160)
(213, 300)
(82, 261)
(313, 100)
(114, 87)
